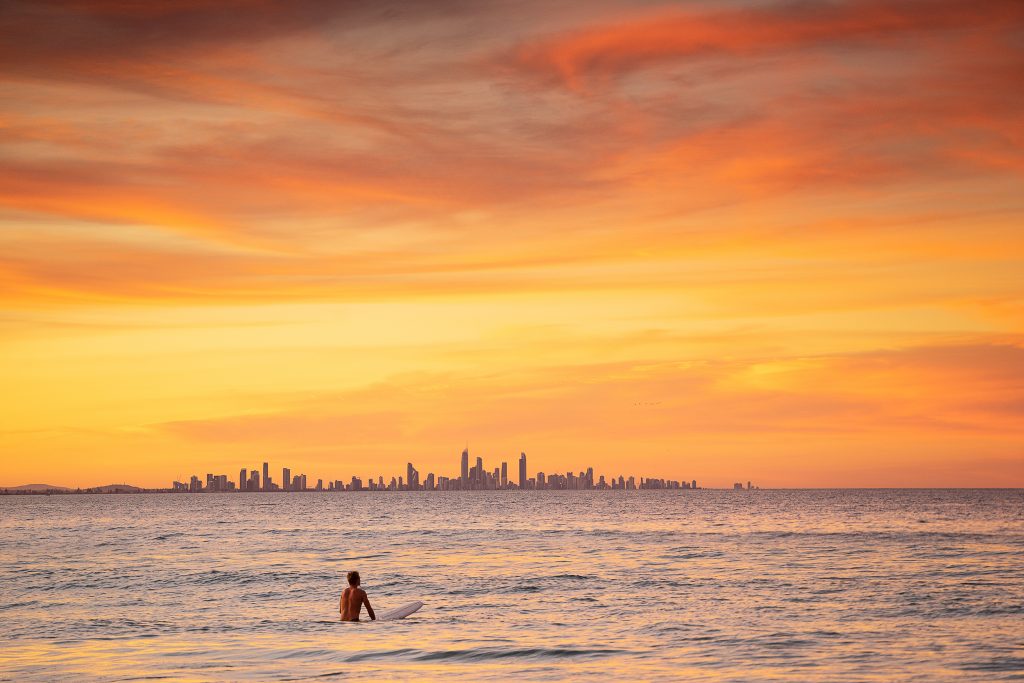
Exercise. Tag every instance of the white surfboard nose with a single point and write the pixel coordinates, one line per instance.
(399, 612)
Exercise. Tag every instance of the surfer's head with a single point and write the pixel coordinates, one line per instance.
(353, 578)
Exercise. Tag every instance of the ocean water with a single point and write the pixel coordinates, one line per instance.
(845, 585)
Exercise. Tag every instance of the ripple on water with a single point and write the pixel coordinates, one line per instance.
(653, 585)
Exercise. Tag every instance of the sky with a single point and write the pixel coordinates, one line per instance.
(725, 241)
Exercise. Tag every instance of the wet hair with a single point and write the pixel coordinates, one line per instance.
(353, 578)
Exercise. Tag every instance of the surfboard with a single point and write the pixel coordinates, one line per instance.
(399, 612)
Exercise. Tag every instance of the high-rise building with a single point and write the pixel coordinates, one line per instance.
(286, 479)
(266, 476)
(693, 484)
(504, 475)
(465, 468)
(522, 470)
(243, 479)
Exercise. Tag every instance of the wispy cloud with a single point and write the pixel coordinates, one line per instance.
(553, 208)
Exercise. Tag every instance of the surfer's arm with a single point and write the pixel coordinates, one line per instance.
(369, 610)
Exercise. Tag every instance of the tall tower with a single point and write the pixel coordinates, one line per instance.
(286, 479)
(266, 476)
(504, 475)
(242, 479)
(465, 469)
(522, 470)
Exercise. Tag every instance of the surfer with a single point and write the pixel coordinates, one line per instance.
(352, 600)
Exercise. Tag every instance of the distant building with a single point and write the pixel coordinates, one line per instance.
(475, 478)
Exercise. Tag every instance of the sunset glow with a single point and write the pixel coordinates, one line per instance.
(719, 241)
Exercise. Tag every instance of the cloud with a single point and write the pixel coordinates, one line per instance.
(807, 180)
(957, 389)
(56, 33)
(633, 42)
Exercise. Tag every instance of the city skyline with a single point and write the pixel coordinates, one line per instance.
(470, 478)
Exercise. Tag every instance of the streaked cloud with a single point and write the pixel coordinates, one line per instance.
(786, 224)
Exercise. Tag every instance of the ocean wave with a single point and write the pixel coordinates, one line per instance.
(486, 653)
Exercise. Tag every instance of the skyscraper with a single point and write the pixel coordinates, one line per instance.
(243, 478)
(286, 479)
(266, 476)
(504, 475)
(465, 468)
(522, 470)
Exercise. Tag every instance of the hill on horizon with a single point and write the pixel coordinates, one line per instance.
(114, 488)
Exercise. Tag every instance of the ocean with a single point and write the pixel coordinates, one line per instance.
(795, 585)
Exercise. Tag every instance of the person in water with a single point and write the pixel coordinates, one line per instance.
(353, 599)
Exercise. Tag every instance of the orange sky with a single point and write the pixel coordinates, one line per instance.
(724, 241)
